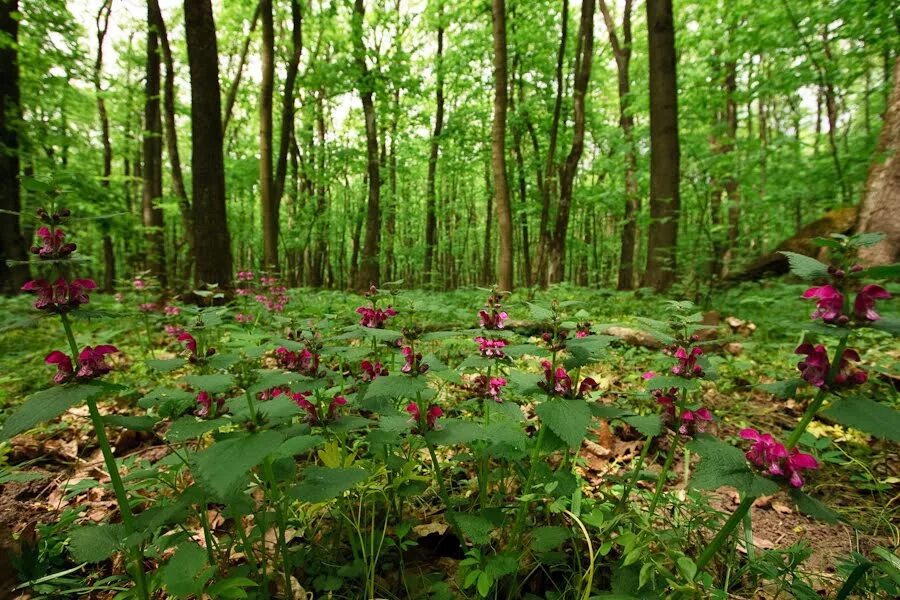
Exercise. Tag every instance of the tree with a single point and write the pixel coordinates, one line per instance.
(878, 209)
(369, 268)
(212, 239)
(498, 146)
(622, 54)
(430, 215)
(152, 151)
(109, 257)
(665, 158)
(583, 57)
(267, 198)
(12, 243)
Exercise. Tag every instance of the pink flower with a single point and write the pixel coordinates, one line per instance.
(172, 311)
(648, 375)
(493, 319)
(205, 400)
(488, 387)
(304, 362)
(431, 417)
(243, 292)
(864, 305)
(59, 296)
(370, 372)
(829, 303)
(413, 362)
(694, 421)
(173, 330)
(139, 283)
(52, 244)
(772, 457)
(847, 374)
(189, 342)
(374, 318)
(333, 406)
(490, 348)
(63, 362)
(243, 318)
(271, 394)
(147, 307)
(816, 366)
(559, 382)
(92, 361)
(245, 275)
(687, 362)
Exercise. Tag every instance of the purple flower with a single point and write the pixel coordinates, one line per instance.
(864, 305)
(370, 372)
(92, 361)
(60, 296)
(304, 362)
(488, 387)
(205, 400)
(815, 367)
(687, 362)
(52, 244)
(375, 318)
(559, 382)
(694, 421)
(769, 455)
(829, 305)
(189, 342)
(847, 374)
(431, 417)
(245, 275)
(63, 362)
(147, 307)
(413, 362)
(139, 283)
(490, 348)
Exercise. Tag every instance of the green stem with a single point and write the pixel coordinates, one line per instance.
(661, 482)
(442, 491)
(736, 517)
(632, 481)
(520, 515)
(748, 534)
(207, 535)
(250, 406)
(281, 523)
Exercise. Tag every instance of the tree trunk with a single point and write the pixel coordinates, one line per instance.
(369, 267)
(498, 147)
(12, 243)
(583, 57)
(213, 242)
(109, 257)
(665, 202)
(549, 185)
(233, 88)
(268, 211)
(878, 209)
(287, 103)
(152, 213)
(184, 204)
(430, 196)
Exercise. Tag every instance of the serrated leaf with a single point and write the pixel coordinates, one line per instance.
(723, 464)
(187, 571)
(164, 394)
(221, 467)
(454, 431)
(861, 240)
(95, 543)
(881, 272)
(805, 267)
(321, 484)
(781, 389)
(298, 444)
(395, 386)
(812, 507)
(568, 419)
(48, 404)
(539, 313)
(475, 527)
(548, 538)
(648, 425)
(135, 423)
(214, 384)
(664, 382)
(866, 415)
(165, 365)
(520, 350)
(189, 427)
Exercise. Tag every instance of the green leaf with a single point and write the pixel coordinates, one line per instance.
(163, 395)
(861, 240)
(520, 350)
(95, 543)
(686, 567)
(475, 527)
(539, 313)
(881, 272)
(569, 419)
(214, 384)
(887, 324)
(586, 350)
(321, 484)
(187, 571)
(649, 425)
(866, 415)
(454, 431)
(165, 365)
(233, 587)
(395, 386)
(814, 508)
(723, 464)
(48, 404)
(544, 539)
(805, 267)
(135, 423)
(190, 427)
(298, 445)
(221, 467)
(663, 382)
(781, 389)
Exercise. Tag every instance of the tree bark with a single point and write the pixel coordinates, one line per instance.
(287, 103)
(109, 257)
(430, 195)
(583, 58)
(184, 204)
(152, 171)
(878, 209)
(268, 210)
(498, 147)
(369, 268)
(665, 201)
(233, 88)
(12, 242)
(213, 242)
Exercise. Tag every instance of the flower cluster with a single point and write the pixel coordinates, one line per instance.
(52, 246)
(205, 400)
(559, 383)
(493, 316)
(60, 296)
(91, 363)
(374, 318)
(830, 303)
(687, 362)
(487, 387)
(370, 371)
(301, 399)
(304, 362)
(582, 330)
(190, 344)
(491, 348)
(431, 416)
(816, 367)
(413, 362)
(771, 456)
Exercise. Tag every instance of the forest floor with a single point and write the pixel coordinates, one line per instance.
(49, 476)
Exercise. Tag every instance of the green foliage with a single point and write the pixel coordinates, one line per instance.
(187, 571)
(321, 484)
(222, 467)
(806, 267)
(867, 415)
(95, 543)
(48, 404)
(569, 419)
(723, 464)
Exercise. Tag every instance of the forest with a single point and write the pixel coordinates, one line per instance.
(449, 299)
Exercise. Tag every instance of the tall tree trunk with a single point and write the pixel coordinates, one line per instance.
(665, 202)
(184, 204)
(152, 213)
(390, 210)
(516, 85)
(878, 210)
(369, 267)
(12, 242)
(622, 55)
(547, 189)
(583, 57)
(268, 211)
(236, 83)
(109, 257)
(430, 196)
(287, 103)
(498, 147)
(487, 265)
(212, 240)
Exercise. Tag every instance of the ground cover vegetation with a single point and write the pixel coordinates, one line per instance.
(447, 299)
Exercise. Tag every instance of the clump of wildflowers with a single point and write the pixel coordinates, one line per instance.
(493, 316)
(773, 458)
(433, 413)
(52, 246)
(370, 371)
(483, 386)
(304, 362)
(313, 417)
(687, 362)
(558, 382)
(491, 348)
(413, 362)
(60, 296)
